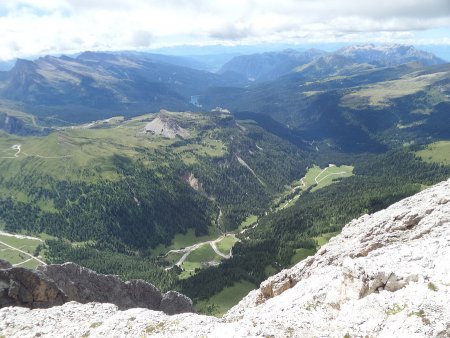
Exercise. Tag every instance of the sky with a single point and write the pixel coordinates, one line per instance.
(40, 27)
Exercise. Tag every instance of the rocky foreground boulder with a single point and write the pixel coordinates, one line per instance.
(84, 285)
(24, 287)
(57, 284)
(385, 275)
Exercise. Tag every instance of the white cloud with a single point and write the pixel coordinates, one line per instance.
(31, 27)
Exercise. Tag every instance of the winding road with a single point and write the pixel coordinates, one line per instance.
(19, 250)
(330, 166)
(18, 148)
(14, 147)
(315, 179)
(186, 251)
(24, 252)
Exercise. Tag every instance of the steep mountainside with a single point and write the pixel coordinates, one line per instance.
(377, 107)
(385, 275)
(113, 185)
(98, 85)
(14, 125)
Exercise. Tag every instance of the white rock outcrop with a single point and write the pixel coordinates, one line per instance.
(166, 127)
(385, 275)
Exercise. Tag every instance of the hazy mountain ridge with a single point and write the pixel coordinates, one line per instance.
(318, 64)
(270, 65)
(389, 55)
(95, 85)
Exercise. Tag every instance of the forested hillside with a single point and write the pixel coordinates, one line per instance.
(133, 194)
(283, 237)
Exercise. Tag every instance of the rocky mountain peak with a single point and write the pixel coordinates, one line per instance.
(385, 275)
(389, 54)
(23, 64)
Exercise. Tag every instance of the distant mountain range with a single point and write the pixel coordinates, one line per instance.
(389, 55)
(270, 66)
(361, 98)
(377, 94)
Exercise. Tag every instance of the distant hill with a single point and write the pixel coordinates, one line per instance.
(331, 65)
(269, 66)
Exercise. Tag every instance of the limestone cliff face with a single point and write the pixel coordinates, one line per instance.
(385, 275)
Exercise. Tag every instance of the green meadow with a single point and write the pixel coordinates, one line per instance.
(221, 302)
(437, 152)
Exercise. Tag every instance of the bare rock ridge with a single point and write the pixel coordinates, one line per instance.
(84, 285)
(385, 275)
(56, 284)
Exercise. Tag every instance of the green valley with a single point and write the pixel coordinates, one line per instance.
(116, 187)
(211, 203)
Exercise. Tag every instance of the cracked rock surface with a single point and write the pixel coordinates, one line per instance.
(385, 275)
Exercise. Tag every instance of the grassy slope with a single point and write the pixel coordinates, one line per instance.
(379, 94)
(325, 238)
(301, 254)
(181, 241)
(221, 302)
(65, 154)
(198, 258)
(438, 152)
(324, 176)
(249, 221)
(226, 244)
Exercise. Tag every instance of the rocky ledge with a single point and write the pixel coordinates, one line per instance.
(385, 275)
(57, 284)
